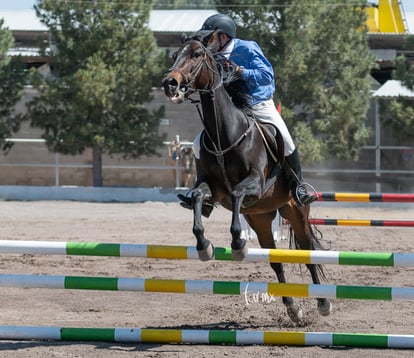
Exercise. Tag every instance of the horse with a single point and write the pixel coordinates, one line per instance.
(182, 157)
(238, 165)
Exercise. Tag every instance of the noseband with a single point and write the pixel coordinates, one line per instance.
(205, 61)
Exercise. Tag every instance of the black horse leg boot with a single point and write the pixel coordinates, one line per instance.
(187, 201)
(293, 173)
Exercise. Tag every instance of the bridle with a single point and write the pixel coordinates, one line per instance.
(190, 78)
(206, 62)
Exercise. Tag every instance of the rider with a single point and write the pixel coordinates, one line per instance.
(249, 63)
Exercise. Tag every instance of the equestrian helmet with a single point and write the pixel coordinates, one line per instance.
(220, 22)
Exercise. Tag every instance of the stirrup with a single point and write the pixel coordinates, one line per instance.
(301, 195)
(187, 202)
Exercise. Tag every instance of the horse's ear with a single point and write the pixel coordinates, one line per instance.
(202, 36)
(207, 40)
(184, 38)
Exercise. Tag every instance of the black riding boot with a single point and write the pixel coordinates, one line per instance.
(293, 173)
(187, 201)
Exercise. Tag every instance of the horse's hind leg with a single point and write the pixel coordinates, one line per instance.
(306, 240)
(204, 247)
(262, 225)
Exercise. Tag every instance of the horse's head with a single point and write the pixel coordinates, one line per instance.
(193, 69)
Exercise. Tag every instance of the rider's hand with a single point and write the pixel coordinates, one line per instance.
(237, 70)
(231, 67)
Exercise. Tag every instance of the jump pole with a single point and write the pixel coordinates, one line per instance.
(212, 337)
(221, 253)
(359, 222)
(366, 197)
(250, 290)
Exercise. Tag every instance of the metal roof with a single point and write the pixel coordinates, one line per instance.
(159, 21)
(178, 20)
(22, 20)
(392, 89)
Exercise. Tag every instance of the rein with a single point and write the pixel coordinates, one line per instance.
(217, 150)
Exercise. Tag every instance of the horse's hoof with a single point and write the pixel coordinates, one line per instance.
(240, 255)
(324, 307)
(207, 253)
(295, 313)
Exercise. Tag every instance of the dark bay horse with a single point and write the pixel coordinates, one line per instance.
(237, 163)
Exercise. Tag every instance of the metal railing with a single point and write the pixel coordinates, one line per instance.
(57, 165)
(378, 171)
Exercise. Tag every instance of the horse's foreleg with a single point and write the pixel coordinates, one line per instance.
(204, 247)
(238, 245)
(251, 186)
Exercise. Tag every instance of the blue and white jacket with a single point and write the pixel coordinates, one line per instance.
(257, 70)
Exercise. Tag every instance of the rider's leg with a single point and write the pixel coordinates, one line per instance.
(266, 112)
(186, 200)
(293, 172)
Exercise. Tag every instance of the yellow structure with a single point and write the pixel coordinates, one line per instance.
(387, 17)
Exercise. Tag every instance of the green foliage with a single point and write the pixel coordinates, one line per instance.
(399, 113)
(103, 67)
(12, 79)
(404, 67)
(6, 41)
(322, 64)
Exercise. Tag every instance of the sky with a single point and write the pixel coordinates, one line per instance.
(408, 6)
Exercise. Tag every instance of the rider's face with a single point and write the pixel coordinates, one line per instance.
(217, 42)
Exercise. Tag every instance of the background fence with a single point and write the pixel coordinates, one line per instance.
(30, 163)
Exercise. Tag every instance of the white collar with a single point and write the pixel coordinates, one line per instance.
(226, 51)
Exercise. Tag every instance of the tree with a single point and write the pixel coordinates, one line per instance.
(12, 79)
(103, 67)
(322, 64)
(399, 113)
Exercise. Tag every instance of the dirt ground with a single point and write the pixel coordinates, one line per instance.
(167, 223)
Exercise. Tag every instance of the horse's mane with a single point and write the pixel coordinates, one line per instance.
(236, 88)
(234, 85)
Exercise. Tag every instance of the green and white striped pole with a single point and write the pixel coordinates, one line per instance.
(221, 253)
(248, 289)
(230, 337)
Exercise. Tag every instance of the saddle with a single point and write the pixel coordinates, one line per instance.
(273, 142)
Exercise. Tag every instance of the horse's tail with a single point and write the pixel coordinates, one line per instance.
(315, 244)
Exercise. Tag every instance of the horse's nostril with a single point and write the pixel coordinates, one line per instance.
(172, 82)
